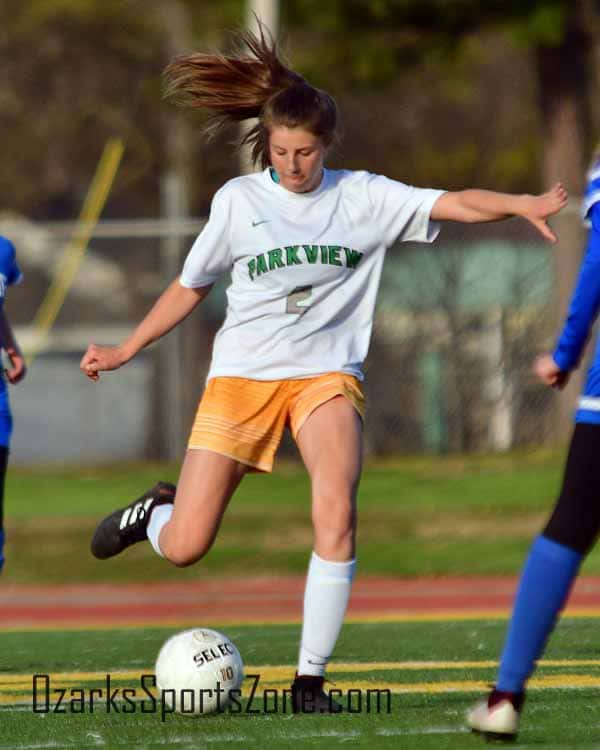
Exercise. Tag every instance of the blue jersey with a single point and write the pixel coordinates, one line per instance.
(9, 274)
(584, 307)
(9, 270)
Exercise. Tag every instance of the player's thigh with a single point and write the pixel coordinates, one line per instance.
(206, 483)
(331, 445)
(575, 520)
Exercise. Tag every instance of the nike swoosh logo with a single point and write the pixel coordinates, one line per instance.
(258, 223)
(321, 663)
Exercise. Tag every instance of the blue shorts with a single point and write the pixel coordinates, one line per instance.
(6, 422)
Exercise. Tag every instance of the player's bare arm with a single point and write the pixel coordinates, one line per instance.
(17, 370)
(473, 206)
(173, 306)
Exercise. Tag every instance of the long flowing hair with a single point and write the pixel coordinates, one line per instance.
(251, 82)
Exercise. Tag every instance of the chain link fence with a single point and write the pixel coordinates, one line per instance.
(458, 325)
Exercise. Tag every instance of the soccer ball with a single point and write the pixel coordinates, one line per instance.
(196, 670)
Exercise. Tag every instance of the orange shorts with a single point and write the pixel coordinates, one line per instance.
(245, 419)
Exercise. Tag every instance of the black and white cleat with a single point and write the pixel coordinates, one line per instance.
(128, 525)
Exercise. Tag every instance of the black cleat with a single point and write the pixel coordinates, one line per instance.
(308, 696)
(128, 525)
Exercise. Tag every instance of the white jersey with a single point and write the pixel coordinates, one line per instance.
(305, 269)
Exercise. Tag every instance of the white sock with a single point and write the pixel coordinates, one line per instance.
(158, 518)
(326, 597)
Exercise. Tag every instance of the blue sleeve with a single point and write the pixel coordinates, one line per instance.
(9, 269)
(592, 191)
(585, 301)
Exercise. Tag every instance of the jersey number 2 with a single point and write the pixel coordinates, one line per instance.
(298, 300)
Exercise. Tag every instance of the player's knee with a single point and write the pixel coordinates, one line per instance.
(180, 559)
(182, 554)
(333, 486)
(183, 558)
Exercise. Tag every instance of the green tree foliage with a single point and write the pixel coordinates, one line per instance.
(368, 46)
(534, 21)
(76, 72)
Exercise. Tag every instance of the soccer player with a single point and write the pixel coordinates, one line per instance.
(557, 553)
(305, 246)
(9, 275)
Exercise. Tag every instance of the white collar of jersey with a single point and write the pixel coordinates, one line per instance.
(278, 188)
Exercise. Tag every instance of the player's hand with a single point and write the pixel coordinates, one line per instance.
(17, 370)
(99, 358)
(538, 208)
(549, 373)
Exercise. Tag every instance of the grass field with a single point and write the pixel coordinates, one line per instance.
(418, 516)
(434, 671)
(456, 515)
